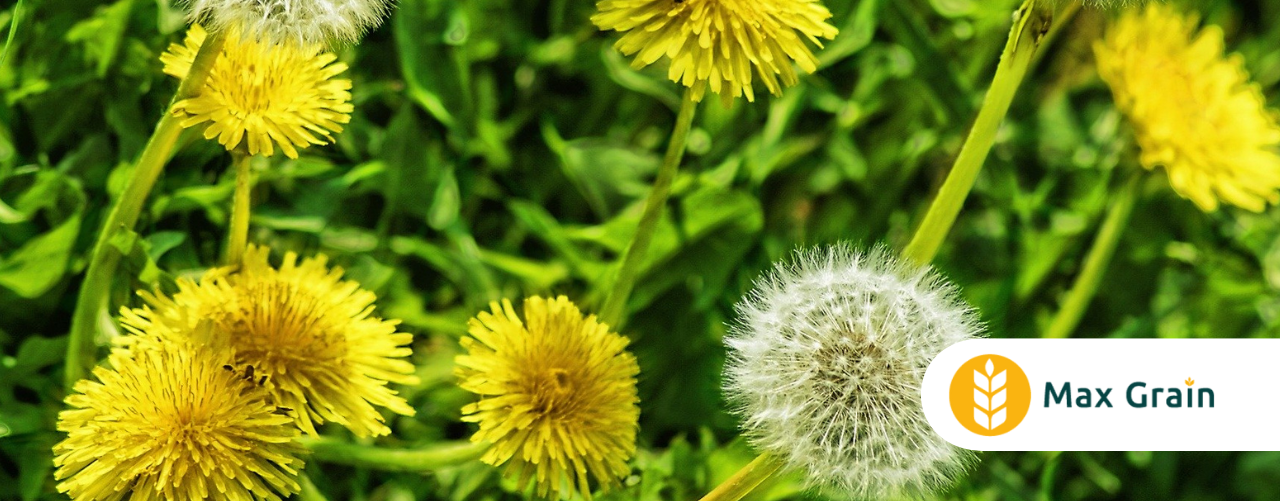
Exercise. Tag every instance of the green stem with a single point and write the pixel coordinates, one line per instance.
(410, 460)
(92, 301)
(238, 233)
(309, 492)
(745, 480)
(1031, 22)
(1061, 21)
(1095, 263)
(637, 250)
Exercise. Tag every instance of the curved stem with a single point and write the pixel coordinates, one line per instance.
(1095, 263)
(238, 233)
(745, 480)
(378, 458)
(309, 492)
(1031, 22)
(92, 300)
(633, 257)
(1061, 21)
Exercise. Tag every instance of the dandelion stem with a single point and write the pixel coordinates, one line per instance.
(96, 288)
(379, 458)
(238, 234)
(1096, 262)
(634, 255)
(1061, 21)
(1031, 22)
(745, 480)
(309, 492)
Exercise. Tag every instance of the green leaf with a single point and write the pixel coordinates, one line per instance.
(13, 30)
(538, 276)
(431, 84)
(18, 418)
(624, 75)
(37, 352)
(855, 34)
(211, 198)
(718, 227)
(137, 257)
(102, 34)
(35, 464)
(606, 173)
(160, 242)
(409, 306)
(38, 266)
(545, 227)
(52, 191)
(446, 202)
(461, 263)
(413, 168)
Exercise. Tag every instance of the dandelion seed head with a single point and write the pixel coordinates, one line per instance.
(300, 22)
(1110, 4)
(825, 364)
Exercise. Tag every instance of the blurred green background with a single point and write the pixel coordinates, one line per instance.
(501, 148)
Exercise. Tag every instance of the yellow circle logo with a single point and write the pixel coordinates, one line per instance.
(990, 395)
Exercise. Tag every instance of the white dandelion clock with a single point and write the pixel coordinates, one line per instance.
(1107, 4)
(825, 363)
(305, 22)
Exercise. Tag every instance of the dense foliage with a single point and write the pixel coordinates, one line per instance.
(501, 149)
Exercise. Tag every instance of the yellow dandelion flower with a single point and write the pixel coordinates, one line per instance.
(268, 94)
(717, 43)
(175, 424)
(314, 335)
(557, 395)
(1194, 110)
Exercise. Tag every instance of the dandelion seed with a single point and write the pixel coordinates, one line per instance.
(557, 395)
(312, 336)
(264, 95)
(825, 364)
(301, 22)
(173, 424)
(717, 44)
(1194, 110)
(1106, 4)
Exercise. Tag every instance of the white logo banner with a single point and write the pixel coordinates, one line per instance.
(1106, 394)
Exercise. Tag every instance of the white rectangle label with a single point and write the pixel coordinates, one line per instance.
(1106, 394)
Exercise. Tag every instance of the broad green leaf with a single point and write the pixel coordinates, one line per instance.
(854, 35)
(718, 227)
(37, 352)
(538, 276)
(37, 266)
(101, 35)
(433, 82)
(18, 418)
(606, 174)
(642, 82)
(446, 202)
(161, 242)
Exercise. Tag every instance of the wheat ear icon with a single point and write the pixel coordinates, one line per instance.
(989, 397)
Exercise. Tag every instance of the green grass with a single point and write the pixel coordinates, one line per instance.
(501, 148)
